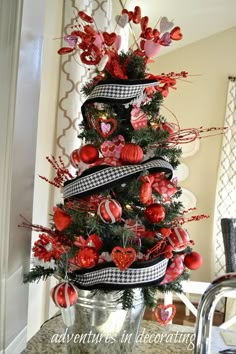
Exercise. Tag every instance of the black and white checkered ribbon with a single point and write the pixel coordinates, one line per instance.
(117, 91)
(120, 90)
(109, 276)
(98, 180)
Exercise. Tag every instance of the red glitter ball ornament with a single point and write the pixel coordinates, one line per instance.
(64, 295)
(131, 153)
(109, 210)
(89, 153)
(155, 213)
(87, 257)
(193, 260)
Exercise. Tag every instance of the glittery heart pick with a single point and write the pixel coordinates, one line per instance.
(122, 20)
(105, 127)
(123, 257)
(71, 40)
(165, 39)
(109, 38)
(162, 315)
(165, 25)
(176, 34)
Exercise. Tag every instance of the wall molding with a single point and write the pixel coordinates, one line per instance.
(18, 344)
(10, 27)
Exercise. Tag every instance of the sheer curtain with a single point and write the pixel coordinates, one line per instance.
(73, 75)
(226, 186)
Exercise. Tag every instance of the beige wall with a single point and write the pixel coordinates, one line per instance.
(202, 103)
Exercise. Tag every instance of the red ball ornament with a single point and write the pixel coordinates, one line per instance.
(179, 239)
(155, 213)
(64, 295)
(109, 210)
(87, 257)
(193, 260)
(131, 153)
(75, 158)
(89, 153)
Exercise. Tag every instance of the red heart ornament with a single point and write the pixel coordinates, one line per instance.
(162, 315)
(176, 34)
(111, 121)
(61, 219)
(109, 38)
(123, 257)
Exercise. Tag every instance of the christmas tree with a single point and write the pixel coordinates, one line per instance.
(120, 226)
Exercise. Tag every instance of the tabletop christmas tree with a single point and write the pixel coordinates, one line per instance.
(121, 224)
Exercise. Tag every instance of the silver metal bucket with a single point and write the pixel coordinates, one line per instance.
(98, 325)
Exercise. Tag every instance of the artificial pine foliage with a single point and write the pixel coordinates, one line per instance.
(121, 223)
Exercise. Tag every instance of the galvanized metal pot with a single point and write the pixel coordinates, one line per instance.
(97, 324)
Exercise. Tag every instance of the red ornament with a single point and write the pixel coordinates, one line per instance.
(155, 213)
(89, 153)
(86, 258)
(162, 315)
(131, 153)
(193, 260)
(179, 239)
(61, 219)
(123, 257)
(75, 158)
(91, 55)
(174, 270)
(64, 295)
(109, 211)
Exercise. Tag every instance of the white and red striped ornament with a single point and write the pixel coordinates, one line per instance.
(136, 227)
(179, 239)
(64, 294)
(109, 210)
